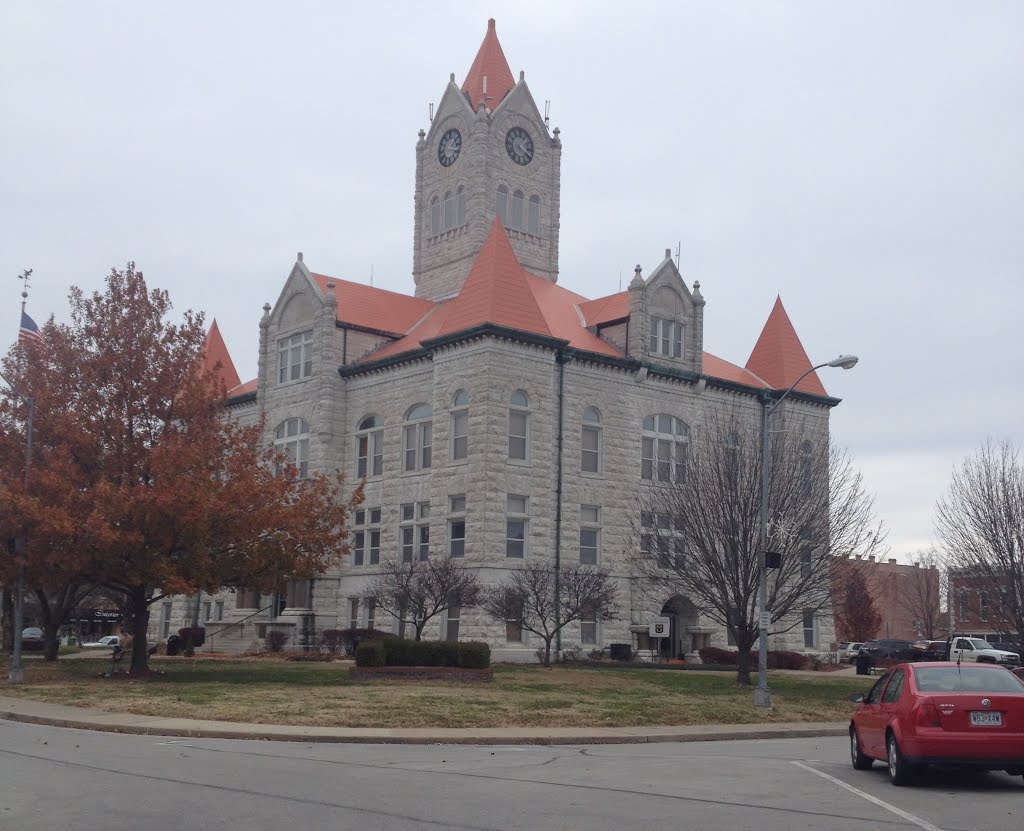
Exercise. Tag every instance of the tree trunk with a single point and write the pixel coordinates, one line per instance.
(51, 644)
(743, 666)
(8, 621)
(138, 612)
(547, 651)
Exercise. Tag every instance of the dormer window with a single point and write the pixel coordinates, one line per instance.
(295, 357)
(666, 337)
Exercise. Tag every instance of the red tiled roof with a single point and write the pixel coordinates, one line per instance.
(560, 309)
(496, 291)
(490, 63)
(779, 357)
(606, 309)
(216, 358)
(242, 389)
(373, 308)
(718, 368)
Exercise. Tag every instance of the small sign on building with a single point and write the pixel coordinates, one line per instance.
(660, 627)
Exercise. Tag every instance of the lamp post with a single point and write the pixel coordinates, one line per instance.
(17, 672)
(763, 695)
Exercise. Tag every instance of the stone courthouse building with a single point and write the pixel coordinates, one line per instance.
(495, 416)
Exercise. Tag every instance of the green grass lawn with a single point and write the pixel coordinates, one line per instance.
(283, 692)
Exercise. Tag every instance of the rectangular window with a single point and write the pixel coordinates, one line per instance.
(371, 613)
(590, 534)
(415, 531)
(806, 562)
(353, 612)
(666, 337)
(166, 619)
(588, 627)
(366, 537)
(452, 627)
(219, 609)
(647, 459)
(515, 527)
(460, 435)
(517, 426)
(370, 453)
(457, 526)
(983, 606)
(295, 357)
(964, 606)
(591, 449)
(808, 629)
(665, 460)
(207, 611)
(417, 445)
(514, 629)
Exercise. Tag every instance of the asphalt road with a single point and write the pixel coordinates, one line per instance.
(53, 779)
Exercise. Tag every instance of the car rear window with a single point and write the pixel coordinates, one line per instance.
(967, 679)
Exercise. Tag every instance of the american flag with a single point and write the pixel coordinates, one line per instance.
(29, 332)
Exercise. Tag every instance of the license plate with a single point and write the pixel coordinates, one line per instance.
(987, 719)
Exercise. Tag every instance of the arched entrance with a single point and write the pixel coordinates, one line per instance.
(684, 622)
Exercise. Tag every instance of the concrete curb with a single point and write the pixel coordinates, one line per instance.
(59, 715)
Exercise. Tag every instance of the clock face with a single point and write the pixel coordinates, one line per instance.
(448, 149)
(519, 145)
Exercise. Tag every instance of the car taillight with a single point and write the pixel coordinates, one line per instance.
(928, 714)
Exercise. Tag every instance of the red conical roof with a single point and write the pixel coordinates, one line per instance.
(217, 360)
(779, 357)
(496, 291)
(491, 67)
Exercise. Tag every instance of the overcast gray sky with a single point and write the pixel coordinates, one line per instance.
(863, 160)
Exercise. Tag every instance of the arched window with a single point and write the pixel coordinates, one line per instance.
(435, 217)
(501, 205)
(591, 450)
(292, 438)
(416, 437)
(449, 211)
(664, 445)
(806, 469)
(460, 426)
(533, 216)
(460, 207)
(515, 213)
(518, 426)
(370, 447)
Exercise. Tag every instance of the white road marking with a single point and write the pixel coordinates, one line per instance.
(923, 823)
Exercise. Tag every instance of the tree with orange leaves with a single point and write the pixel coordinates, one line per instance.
(144, 485)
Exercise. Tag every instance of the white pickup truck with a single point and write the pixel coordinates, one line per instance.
(976, 650)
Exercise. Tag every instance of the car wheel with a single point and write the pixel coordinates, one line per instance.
(860, 761)
(900, 772)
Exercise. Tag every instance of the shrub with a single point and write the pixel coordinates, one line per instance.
(310, 656)
(721, 657)
(786, 660)
(572, 655)
(192, 636)
(348, 639)
(370, 654)
(275, 640)
(474, 655)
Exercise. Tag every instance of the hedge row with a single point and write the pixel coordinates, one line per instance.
(398, 652)
(780, 659)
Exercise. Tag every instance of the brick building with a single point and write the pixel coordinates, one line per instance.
(906, 597)
(495, 415)
(976, 607)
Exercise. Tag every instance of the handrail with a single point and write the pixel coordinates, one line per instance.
(240, 622)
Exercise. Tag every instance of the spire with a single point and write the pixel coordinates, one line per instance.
(217, 360)
(489, 79)
(496, 291)
(779, 357)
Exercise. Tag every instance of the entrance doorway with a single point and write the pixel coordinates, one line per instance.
(682, 615)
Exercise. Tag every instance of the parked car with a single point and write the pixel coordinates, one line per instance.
(108, 641)
(32, 639)
(889, 648)
(976, 650)
(940, 713)
(847, 651)
(929, 650)
(1007, 646)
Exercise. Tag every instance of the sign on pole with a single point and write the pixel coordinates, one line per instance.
(660, 627)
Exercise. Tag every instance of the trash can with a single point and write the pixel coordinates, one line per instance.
(173, 645)
(863, 662)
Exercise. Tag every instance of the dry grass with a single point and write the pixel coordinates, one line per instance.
(320, 694)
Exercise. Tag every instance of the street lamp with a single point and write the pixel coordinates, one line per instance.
(17, 672)
(763, 695)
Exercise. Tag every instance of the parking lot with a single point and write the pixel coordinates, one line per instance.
(52, 778)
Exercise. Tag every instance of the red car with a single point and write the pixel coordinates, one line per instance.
(940, 713)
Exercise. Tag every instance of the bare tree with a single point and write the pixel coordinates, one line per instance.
(417, 591)
(531, 600)
(920, 593)
(980, 522)
(698, 528)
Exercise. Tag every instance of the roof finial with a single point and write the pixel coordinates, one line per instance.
(451, 77)
(522, 75)
(490, 24)
(299, 256)
(638, 279)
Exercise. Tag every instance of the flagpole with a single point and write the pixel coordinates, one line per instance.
(17, 671)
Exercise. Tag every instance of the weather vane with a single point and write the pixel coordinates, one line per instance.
(24, 290)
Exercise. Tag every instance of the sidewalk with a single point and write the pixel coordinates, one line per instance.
(60, 715)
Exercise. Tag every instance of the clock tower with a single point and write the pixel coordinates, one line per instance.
(488, 152)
